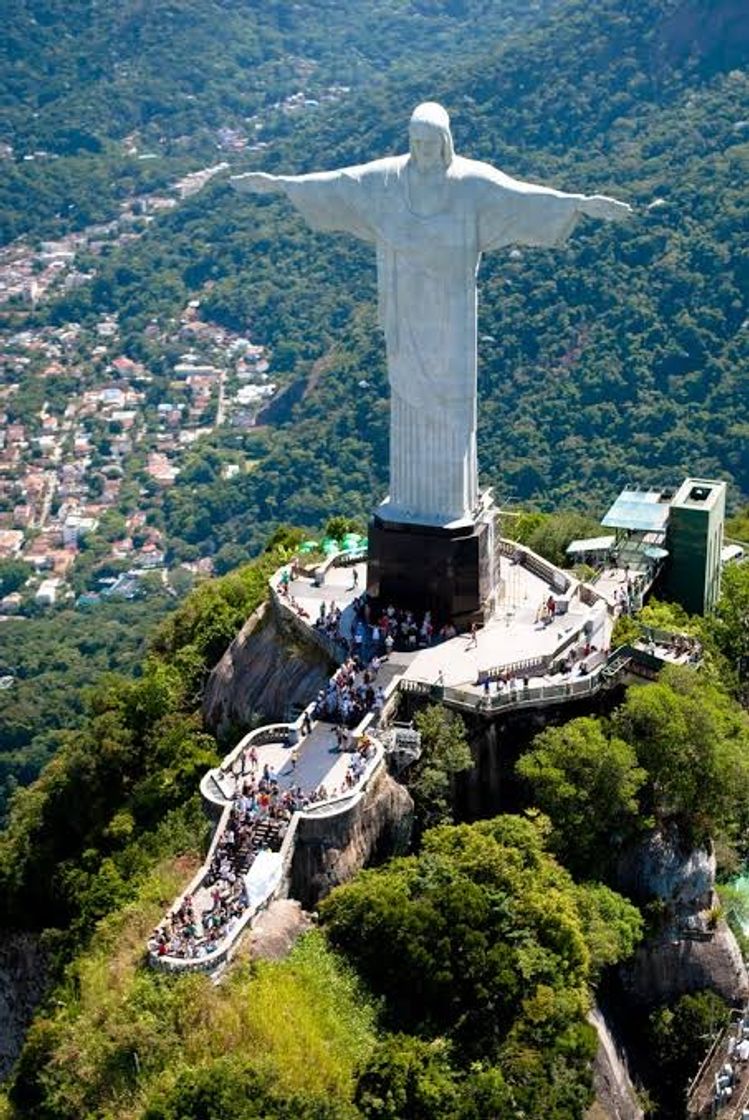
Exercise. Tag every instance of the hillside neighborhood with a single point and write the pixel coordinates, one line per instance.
(88, 435)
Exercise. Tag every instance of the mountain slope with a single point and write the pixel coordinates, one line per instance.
(89, 91)
(622, 356)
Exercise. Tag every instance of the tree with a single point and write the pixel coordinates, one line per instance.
(337, 527)
(406, 1076)
(228, 557)
(587, 783)
(692, 738)
(13, 575)
(549, 534)
(458, 937)
(668, 616)
(445, 753)
(613, 927)
(738, 525)
(730, 624)
(678, 1037)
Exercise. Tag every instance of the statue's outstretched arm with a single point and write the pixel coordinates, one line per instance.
(601, 206)
(257, 182)
(329, 201)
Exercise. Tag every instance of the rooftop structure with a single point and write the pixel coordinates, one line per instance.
(695, 542)
(677, 536)
(639, 510)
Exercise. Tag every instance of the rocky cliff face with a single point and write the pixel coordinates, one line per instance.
(268, 670)
(665, 968)
(331, 849)
(616, 1097)
(691, 949)
(23, 980)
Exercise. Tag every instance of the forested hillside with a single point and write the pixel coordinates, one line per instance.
(451, 984)
(99, 100)
(621, 357)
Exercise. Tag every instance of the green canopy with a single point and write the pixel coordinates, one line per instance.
(309, 546)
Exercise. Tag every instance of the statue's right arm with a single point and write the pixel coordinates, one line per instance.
(329, 201)
(258, 182)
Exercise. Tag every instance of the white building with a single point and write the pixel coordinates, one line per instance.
(75, 527)
(46, 594)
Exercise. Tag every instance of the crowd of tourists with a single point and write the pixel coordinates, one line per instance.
(396, 628)
(352, 693)
(189, 933)
(677, 647)
(328, 622)
(259, 818)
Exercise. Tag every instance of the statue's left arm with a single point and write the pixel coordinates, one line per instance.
(514, 212)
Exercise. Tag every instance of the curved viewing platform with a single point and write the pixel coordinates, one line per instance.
(272, 778)
(275, 776)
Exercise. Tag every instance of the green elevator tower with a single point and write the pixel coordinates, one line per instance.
(694, 539)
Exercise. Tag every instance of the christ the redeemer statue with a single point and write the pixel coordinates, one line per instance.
(431, 214)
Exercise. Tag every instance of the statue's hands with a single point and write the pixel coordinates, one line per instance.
(601, 206)
(256, 182)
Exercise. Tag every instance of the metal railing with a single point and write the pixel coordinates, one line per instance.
(699, 1097)
(540, 567)
(529, 667)
(340, 559)
(518, 695)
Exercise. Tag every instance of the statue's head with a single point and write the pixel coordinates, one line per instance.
(430, 140)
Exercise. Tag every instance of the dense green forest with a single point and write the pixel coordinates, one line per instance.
(54, 661)
(517, 935)
(79, 78)
(621, 357)
(77, 74)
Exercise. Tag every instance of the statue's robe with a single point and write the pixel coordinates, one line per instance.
(426, 272)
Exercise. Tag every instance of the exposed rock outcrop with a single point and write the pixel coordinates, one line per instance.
(665, 968)
(616, 1097)
(270, 670)
(275, 931)
(23, 981)
(692, 948)
(682, 880)
(331, 849)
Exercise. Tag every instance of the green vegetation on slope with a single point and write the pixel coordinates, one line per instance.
(483, 939)
(54, 661)
(619, 357)
(127, 1042)
(78, 79)
(674, 752)
(492, 939)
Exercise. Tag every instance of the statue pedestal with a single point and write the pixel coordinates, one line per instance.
(448, 570)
